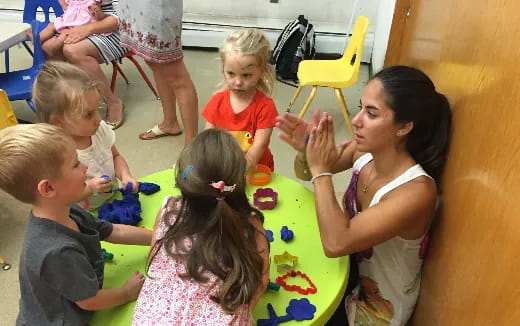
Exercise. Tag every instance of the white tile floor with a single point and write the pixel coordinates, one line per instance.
(145, 157)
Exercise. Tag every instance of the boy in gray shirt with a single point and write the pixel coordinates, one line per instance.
(61, 264)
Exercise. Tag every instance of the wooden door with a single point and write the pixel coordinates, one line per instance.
(471, 50)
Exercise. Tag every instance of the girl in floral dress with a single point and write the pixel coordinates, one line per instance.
(209, 262)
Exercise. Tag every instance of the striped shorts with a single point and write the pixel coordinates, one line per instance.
(108, 46)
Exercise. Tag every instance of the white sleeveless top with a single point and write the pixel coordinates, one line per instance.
(390, 272)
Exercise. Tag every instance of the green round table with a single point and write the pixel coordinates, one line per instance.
(295, 209)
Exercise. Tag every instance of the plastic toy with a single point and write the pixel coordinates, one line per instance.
(255, 180)
(262, 193)
(269, 235)
(106, 177)
(107, 256)
(310, 290)
(286, 234)
(298, 310)
(186, 171)
(273, 286)
(285, 262)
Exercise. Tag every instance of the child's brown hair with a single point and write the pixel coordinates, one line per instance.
(30, 153)
(216, 220)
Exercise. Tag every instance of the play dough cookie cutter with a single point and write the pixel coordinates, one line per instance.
(310, 290)
(285, 262)
(262, 193)
(255, 180)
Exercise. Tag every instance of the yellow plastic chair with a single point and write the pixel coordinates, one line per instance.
(337, 74)
(7, 117)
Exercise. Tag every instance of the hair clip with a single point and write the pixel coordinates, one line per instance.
(186, 171)
(220, 185)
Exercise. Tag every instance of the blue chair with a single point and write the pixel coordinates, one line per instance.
(29, 14)
(18, 84)
(31, 6)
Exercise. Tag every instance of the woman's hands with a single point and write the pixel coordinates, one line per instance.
(76, 34)
(295, 130)
(322, 153)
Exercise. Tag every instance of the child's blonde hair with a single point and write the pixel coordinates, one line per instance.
(60, 89)
(30, 153)
(250, 41)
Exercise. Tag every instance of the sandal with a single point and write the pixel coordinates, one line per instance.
(157, 133)
(119, 123)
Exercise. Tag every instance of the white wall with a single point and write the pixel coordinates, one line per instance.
(329, 15)
(330, 19)
(385, 15)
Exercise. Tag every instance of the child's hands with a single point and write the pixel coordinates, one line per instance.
(93, 8)
(133, 286)
(99, 184)
(134, 182)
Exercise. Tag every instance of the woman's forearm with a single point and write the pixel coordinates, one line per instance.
(332, 221)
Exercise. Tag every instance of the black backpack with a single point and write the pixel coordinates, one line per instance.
(296, 43)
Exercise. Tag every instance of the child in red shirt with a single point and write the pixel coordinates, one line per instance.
(243, 108)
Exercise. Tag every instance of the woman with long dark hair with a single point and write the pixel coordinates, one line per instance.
(397, 156)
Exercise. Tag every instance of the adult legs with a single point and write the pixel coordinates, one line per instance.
(84, 55)
(175, 85)
(50, 47)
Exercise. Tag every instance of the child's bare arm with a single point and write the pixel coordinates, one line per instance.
(63, 4)
(47, 32)
(122, 170)
(263, 250)
(127, 234)
(114, 297)
(209, 125)
(157, 221)
(260, 144)
(96, 11)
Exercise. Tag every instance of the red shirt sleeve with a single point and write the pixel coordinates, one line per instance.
(210, 111)
(267, 114)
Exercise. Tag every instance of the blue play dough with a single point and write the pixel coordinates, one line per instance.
(148, 188)
(269, 235)
(286, 234)
(299, 310)
(127, 210)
